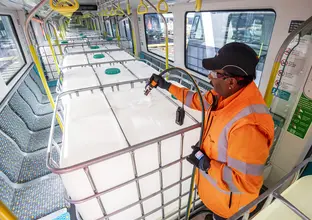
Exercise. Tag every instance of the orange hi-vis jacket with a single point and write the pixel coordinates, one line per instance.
(237, 138)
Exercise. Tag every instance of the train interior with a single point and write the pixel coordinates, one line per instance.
(79, 139)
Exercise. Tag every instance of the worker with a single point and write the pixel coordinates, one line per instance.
(238, 131)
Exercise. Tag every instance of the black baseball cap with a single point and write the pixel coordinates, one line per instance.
(235, 58)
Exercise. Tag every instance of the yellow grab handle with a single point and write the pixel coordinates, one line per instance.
(53, 54)
(198, 5)
(142, 8)
(159, 10)
(64, 5)
(268, 97)
(5, 213)
(128, 8)
(44, 81)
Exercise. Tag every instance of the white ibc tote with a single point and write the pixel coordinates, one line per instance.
(142, 169)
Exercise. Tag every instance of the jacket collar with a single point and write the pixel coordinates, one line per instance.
(243, 93)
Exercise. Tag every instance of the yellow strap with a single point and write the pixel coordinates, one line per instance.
(268, 97)
(198, 5)
(57, 40)
(44, 81)
(142, 8)
(159, 10)
(128, 8)
(5, 213)
(53, 54)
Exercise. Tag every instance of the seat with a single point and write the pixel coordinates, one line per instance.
(29, 97)
(25, 112)
(35, 77)
(18, 166)
(28, 141)
(34, 88)
(35, 200)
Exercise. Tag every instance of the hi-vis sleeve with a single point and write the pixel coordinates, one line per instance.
(189, 98)
(248, 150)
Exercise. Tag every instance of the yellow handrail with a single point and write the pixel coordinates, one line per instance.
(94, 26)
(53, 54)
(133, 38)
(112, 12)
(159, 10)
(142, 8)
(128, 8)
(44, 81)
(36, 59)
(268, 97)
(106, 12)
(198, 5)
(166, 32)
(5, 213)
(119, 11)
(134, 43)
(57, 40)
(117, 34)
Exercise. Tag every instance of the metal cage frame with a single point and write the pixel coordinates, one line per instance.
(54, 167)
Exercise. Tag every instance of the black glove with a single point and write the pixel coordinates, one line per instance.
(199, 159)
(160, 81)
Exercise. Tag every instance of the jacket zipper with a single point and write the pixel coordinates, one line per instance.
(230, 202)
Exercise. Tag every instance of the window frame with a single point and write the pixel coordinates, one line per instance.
(110, 27)
(225, 10)
(18, 44)
(163, 57)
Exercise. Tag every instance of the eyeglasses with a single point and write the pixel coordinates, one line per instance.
(224, 75)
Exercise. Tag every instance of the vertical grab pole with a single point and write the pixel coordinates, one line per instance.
(49, 41)
(5, 213)
(166, 32)
(36, 59)
(307, 25)
(56, 38)
(132, 32)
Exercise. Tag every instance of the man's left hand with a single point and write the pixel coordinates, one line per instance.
(199, 159)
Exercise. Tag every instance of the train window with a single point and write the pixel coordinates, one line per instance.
(128, 29)
(122, 29)
(109, 28)
(155, 34)
(207, 32)
(125, 29)
(113, 22)
(12, 58)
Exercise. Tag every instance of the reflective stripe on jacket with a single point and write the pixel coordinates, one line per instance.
(237, 138)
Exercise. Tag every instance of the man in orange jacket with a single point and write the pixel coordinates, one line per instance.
(238, 133)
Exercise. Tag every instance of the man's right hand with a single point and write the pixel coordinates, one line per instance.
(160, 81)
